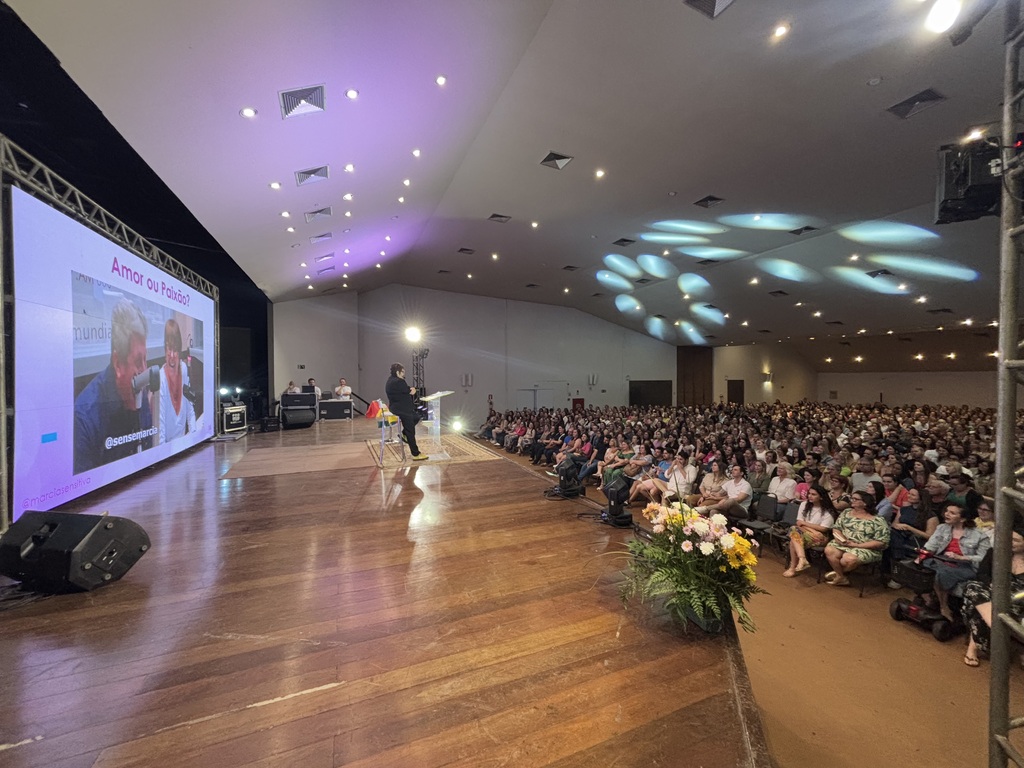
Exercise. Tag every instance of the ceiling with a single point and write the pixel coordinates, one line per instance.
(671, 105)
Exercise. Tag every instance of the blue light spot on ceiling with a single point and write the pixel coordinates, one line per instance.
(668, 238)
(693, 284)
(789, 270)
(708, 314)
(859, 279)
(689, 226)
(623, 265)
(694, 334)
(712, 252)
(659, 328)
(656, 266)
(888, 233)
(924, 266)
(613, 281)
(775, 222)
(628, 305)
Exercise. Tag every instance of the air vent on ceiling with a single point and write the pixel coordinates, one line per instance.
(499, 218)
(320, 238)
(444, 271)
(642, 281)
(763, 330)
(570, 268)
(711, 306)
(622, 242)
(919, 102)
(710, 336)
(325, 270)
(596, 295)
(833, 322)
(705, 262)
(878, 272)
(802, 230)
(302, 101)
(710, 201)
(466, 251)
(556, 160)
(710, 8)
(660, 317)
(328, 257)
(532, 285)
(845, 344)
(777, 293)
(312, 175)
(943, 311)
(321, 213)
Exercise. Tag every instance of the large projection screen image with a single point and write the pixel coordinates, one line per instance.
(112, 359)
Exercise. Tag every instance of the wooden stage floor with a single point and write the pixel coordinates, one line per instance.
(430, 615)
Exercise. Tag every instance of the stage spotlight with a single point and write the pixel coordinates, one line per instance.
(957, 17)
(412, 333)
(457, 426)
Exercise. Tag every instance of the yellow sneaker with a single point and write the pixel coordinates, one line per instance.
(420, 457)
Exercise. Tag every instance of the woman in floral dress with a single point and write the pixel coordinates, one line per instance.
(858, 537)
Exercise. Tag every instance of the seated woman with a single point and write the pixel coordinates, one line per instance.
(813, 523)
(679, 478)
(986, 522)
(710, 490)
(615, 467)
(839, 492)
(808, 477)
(913, 524)
(956, 549)
(782, 486)
(858, 538)
(977, 606)
(961, 491)
(894, 496)
(759, 480)
(644, 486)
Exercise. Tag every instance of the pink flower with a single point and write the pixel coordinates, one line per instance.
(687, 546)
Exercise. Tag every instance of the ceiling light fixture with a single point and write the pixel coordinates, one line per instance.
(919, 356)
(285, 214)
(350, 168)
(347, 251)
(348, 214)
(974, 135)
(469, 276)
(406, 182)
(951, 356)
(854, 257)
(565, 290)
(754, 281)
(290, 229)
(858, 359)
(310, 287)
(599, 173)
(383, 253)
(352, 93)
(828, 359)
(378, 266)
(494, 256)
(302, 264)
(441, 80)
(306, 277)
(901, 287)
(415, 153)
(401, 199)
(248, 113)
(744, 323)
(781, 30)
(534, 224)
(347, 197)
(921, 299)
(274, 185)
(817, 314)
(387, 238)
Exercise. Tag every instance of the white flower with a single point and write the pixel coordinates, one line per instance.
(701, 527)
(687, 546)
(728, 541)
(721, 520)
(748, 532)
(706, 547)
(658, 528)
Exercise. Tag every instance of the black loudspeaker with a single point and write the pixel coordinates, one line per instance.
(62, 552)
(295, 418)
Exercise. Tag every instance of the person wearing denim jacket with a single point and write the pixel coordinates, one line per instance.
(958, 547)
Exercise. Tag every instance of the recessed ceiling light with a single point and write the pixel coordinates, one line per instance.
(799, 304)
(415, 153)
(310, 287)
(754, 281)
(994, 324)
(347, 251)
(348, 214)
(346, 263)
(941, 328)
(344, 285)
(347, 196)
(726, 315)
(974, 135)
(781, 30)
(534, 224)
(919, 356)
(347, 230)
(275, 185)
(951, 356)
(858, 359)
(401, 199)
(994, 354)
(378, 266)
(469, 276)
(686, 295)
(665, 252)
(350, 168)
(968, 321)
(382, 253)
(672, 194)
(863, 330)
(344, 277)
(818, 313)
(921, 299)
(901, 287)
(494, 256)
(942, 15)
(302, 264)
(306, 277)
(441, 80)
(352, 93)
(744, 323)
(290, 229)
(854, 257)
(406, 182)
(599, 173)
(388, 238)
(285, 214)
(248, 112)
(828, 359)
(888, 333)
(757, 217)
(565, 290)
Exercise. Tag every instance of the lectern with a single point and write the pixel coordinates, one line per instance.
(433, 422)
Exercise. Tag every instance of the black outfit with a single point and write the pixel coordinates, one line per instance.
(400, 403)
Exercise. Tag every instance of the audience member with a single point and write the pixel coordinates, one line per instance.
(858, 538)
(814, 520)
(955, 551)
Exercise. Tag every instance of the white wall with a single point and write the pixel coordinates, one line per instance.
(976, 388)
(793, 378)
(505, 346)
(321, 333)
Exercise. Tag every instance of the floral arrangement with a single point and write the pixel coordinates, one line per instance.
(701, 564)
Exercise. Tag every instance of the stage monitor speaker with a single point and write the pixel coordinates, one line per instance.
(63, 552)
(296, 418)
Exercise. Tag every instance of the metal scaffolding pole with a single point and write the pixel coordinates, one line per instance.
(1008, 498)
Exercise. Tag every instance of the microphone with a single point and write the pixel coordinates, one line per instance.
(148, 379)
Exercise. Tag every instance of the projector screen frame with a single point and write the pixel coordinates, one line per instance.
(21, 170)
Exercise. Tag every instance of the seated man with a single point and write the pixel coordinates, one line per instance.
(736, 504)
(343, 391)
(292, 389)
(316, 389)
